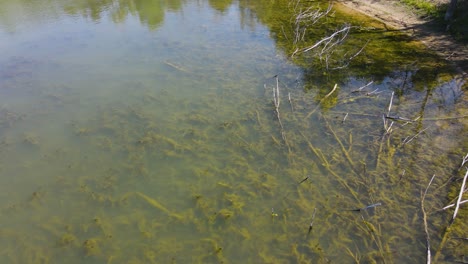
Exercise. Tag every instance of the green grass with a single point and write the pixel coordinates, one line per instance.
(457, 27)
(425, 8)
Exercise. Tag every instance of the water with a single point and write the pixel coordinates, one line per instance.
(146, 132)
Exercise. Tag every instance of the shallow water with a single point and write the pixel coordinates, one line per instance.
(146, 132)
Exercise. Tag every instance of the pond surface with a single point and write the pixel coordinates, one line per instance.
(201, 131)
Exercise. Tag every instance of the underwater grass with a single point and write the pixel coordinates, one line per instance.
(206, 177)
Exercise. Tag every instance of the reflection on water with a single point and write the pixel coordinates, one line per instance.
(147, 132)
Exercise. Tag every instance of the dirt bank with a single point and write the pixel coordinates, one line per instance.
(400, 17)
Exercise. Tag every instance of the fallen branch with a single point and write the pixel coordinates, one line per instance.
(425, 119)
(457, 206)
(312, 222)
(448, 229)
(399, 118)
(426, 230)
(386, 127)
(452, 205)
(321, 101)
(406, 141)
(348, 60)
(326, 40)
(465, 159)
(306, 18)
(290, 102)
(276, 101)
(344, 118)
(362, 87)
(174, 66)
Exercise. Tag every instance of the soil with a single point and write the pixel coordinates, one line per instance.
(432, 34)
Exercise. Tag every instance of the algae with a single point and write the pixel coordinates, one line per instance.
(192, 167)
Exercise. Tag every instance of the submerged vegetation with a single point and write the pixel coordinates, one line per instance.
(302, 158)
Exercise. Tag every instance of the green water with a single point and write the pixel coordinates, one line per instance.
(146, 132)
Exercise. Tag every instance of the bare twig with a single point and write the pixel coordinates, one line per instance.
(348, 60)
(327, 41)
(359, 52)
(465, 159)
(312, 222)
(414, 120)
(408, 140)
(290, 102)
(390, 104)
(321, 101)
(460, 196)
(386, 127)
(362, 87)
(277, 102)
(452, 205)
(305, 18)
(399, 118)
(376, 91)
(175, 66)
(428, 245)
(448, 229)
(344, 118)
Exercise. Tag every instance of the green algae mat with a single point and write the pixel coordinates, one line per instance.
(225, 132)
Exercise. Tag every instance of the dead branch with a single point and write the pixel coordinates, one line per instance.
(277, 102)
(460, 196)
(348, 60)
(464, 160)
(452, 205)
(344, 118)
(408, 140)
(328, 42)
(386, 126)
(175, 66)
(321, 101)
(426, 230)
(305, 18)
(448, 229)
(362, 87)
(312, 222)
(290, 102)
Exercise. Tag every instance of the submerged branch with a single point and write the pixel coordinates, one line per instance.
(448, 229)
(460, 196)
(408, 140)
(312, 222)
(452, 205)
(305, 18)
(426, 230)
(464, 160)
(327, 41)
(321, 101)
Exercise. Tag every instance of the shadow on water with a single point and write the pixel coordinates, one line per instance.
(219, 145)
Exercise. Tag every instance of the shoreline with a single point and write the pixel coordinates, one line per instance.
(400, 17)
